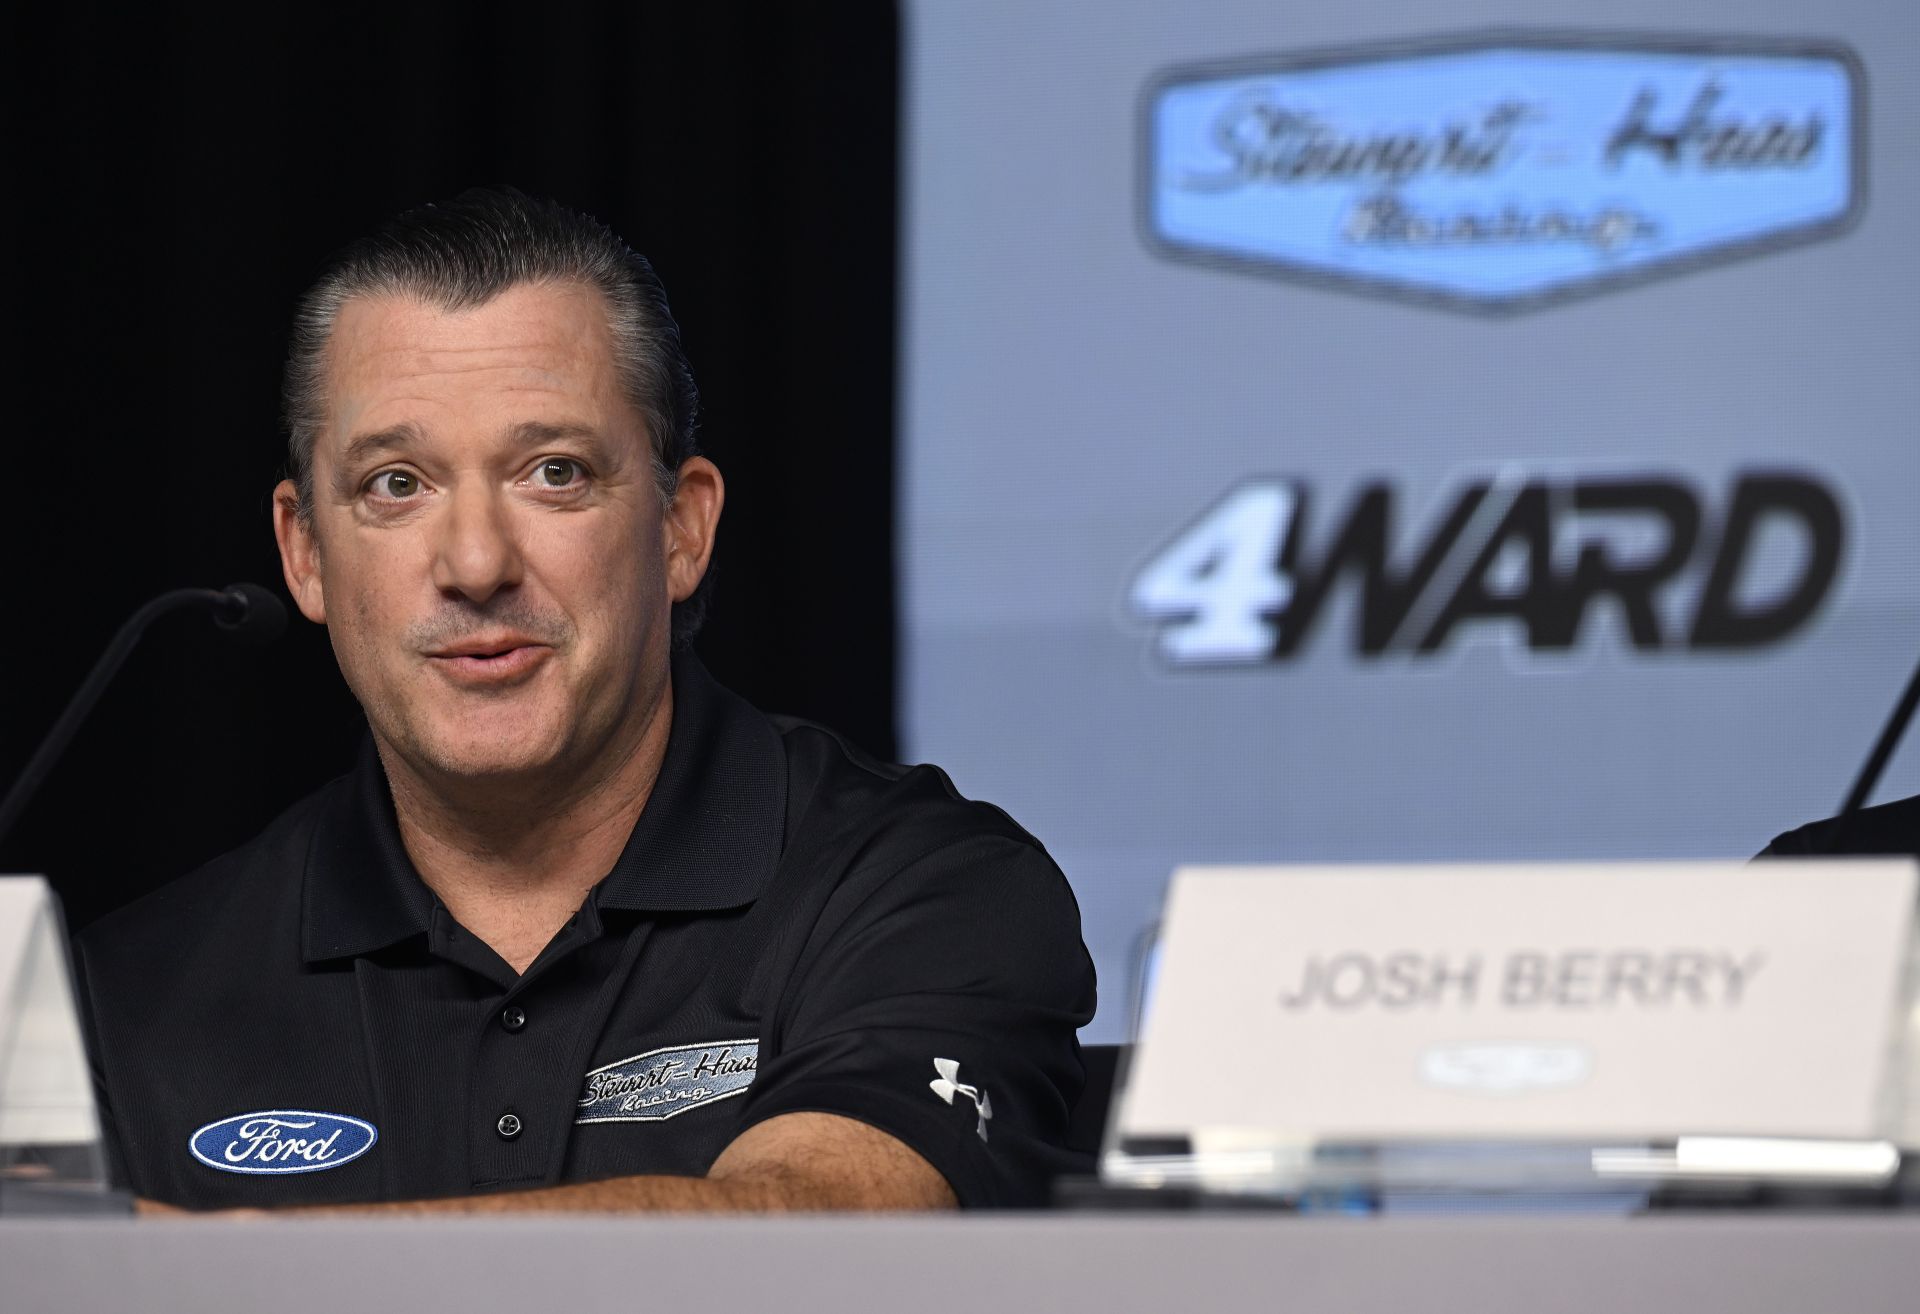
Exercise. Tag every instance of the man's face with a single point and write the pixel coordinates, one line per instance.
(487, 545)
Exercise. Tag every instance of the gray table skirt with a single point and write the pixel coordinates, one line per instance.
(1750, 1264)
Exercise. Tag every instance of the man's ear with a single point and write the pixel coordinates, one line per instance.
(691, 523)
(299, 553)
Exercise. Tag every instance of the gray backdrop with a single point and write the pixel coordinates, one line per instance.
(1077, 392)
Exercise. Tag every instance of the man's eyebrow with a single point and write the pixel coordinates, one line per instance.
(533, 433)
(397, 438)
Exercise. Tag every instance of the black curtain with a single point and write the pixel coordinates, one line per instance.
(178, 180)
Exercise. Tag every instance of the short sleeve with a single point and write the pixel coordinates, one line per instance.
(938, 1001)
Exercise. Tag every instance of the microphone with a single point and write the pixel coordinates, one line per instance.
(246, 611)
(249, 613)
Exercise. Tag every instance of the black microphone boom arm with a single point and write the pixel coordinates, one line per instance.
(243, 609)
(1883, 748)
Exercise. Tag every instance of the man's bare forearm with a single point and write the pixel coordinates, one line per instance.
(663, 1195)
(799, 1162)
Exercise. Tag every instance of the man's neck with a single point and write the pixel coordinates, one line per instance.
(513, 862)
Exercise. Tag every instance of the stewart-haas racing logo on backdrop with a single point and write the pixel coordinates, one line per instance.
(660, 1083)
(1502, 172)
(1246, 582)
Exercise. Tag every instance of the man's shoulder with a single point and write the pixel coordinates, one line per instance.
(234, 889)
(836, 787)
(871, 841)
(1888, 829)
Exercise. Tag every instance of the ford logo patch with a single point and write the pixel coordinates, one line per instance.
(1500, 172)
(282, 1141)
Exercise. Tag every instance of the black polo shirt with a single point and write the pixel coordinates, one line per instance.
(1889, 830)
(792, 926)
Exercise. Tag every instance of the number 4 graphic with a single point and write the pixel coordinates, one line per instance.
(1217, 586)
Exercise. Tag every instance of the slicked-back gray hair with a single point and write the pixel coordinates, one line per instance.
(463, 253)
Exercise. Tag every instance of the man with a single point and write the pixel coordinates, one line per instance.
(582, 930)
(1888, 830)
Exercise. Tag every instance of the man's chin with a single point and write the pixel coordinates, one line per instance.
(492, 759)
(481, 754)
(489, 763)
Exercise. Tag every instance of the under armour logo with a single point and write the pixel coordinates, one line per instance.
(947, 1085)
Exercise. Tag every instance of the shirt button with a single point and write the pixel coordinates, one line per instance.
(508, 1126)
(513, 1017)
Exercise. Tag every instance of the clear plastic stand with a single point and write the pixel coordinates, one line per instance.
(51, 1160)
(1517, 1176)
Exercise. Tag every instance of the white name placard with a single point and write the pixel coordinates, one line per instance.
(46, 1092)
(1532, 1002)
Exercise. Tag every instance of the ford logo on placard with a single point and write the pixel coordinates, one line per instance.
(1503, 172)
(282, 1141)
(1505, 1069)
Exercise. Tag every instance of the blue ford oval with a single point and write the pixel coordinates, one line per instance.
(282, 1141)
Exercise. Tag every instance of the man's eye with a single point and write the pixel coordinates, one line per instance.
(395, 484)
(559, 472)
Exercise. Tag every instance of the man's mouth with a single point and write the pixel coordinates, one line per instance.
(489, 661)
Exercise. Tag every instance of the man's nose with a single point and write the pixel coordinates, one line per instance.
(476, 553)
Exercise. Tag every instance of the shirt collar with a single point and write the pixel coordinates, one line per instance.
(708, 839)
(710, 835)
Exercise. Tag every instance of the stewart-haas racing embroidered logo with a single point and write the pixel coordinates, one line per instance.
(660, 1083)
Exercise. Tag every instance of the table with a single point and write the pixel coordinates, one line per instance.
(989, 1264)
